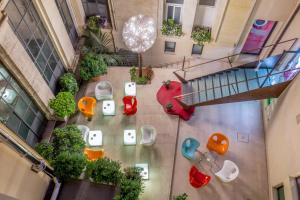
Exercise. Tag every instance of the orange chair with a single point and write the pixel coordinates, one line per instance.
(87, 106)
(93, 155)
(218, 143)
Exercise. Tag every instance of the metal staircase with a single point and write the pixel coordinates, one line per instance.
(252, 81)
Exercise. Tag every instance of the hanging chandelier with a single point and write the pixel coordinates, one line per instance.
(139, 33)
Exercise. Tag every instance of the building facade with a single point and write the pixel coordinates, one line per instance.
(39, 41)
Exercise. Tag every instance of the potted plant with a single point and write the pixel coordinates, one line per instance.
(167, 84)
(104, 171)
(68, 83)
(170, 28)
(147, 74)
(169, 106)
(201, 35)
(45, 149)
(63, 105)
(68, 165)
(93, 24)
(131, 185)
(183, 196)
(92, 66)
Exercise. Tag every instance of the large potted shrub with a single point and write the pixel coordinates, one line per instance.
(63, 105)
(46, 150)
(67, 139)
(68, 165)
(201, 35)
(91, 66)
(68, 83)
(105, 171)
(131, 185)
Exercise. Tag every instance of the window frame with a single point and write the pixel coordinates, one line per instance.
(70, 27)
(277, 191)
(167, 50)
(35, 40)
(208, 5)
(37, 124)
(298, 185)
(202, 46)
(173, 14)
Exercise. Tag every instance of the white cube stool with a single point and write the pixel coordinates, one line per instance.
(130, 89)
(95, 138)
(109, 107)
(130, 137)
(145, 170)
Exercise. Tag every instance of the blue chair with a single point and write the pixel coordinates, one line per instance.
(189, 147)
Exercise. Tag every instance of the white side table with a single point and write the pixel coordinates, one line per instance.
(145, 170)
(130, 137)
(130, 89)
(109, 107)
(95, 138)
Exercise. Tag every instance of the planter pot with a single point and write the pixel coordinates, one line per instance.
(96, 78)
(84, 189)
(64, 119)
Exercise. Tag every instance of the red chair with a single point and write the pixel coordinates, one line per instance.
(130, 105)
(197, 178)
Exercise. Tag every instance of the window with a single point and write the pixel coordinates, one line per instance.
(170, 46)
(99, 8)
(17, 111)
(298, 186)
(174, 10)
(27, 25)
(280, 193)
(68, 21)
(207, 2)
(197, 49)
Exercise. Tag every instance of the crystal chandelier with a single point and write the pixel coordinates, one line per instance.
(139, 33)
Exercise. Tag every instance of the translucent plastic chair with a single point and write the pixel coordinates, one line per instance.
(93, 155)
(229, 171)
(148, 135)
(87, 105)
(197, 178)
(104, 90)
(84, 132)
(218, 143)
(189, 147)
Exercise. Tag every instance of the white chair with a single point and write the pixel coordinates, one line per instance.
(148, 135)
(229, 171)
(84, 132)
(103, 90)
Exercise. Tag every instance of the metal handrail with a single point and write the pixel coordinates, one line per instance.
(236, 83)
(227, 57)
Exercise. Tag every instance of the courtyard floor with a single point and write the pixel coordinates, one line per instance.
(241, 122)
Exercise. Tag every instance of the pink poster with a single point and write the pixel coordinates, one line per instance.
(258, 36)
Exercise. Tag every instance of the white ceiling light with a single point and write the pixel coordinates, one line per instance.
(139, 33)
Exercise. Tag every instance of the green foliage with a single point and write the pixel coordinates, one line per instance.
(46, 150)
(201, 35)
(131, 185)
(105, 171)
(101, 43)
(68, 83)
(167, 84)
(68, 139)
(65, 152)
(63, 104)
(169, 106)
(93, 24)
(170, 28)
(183, 196)
(135, 78)
(69, 165)
(92, 65)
